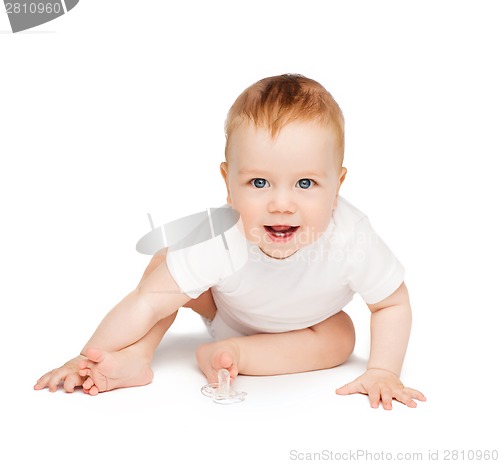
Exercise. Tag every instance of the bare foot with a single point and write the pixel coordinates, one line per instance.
(109, 370)
(214, 356)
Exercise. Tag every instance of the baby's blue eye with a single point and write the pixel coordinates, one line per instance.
(305, 183)
(259, 182)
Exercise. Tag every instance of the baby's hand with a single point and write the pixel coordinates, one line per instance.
(382, 385)
(67, 373)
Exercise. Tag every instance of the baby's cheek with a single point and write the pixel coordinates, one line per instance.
(253, 234)
(315, 231)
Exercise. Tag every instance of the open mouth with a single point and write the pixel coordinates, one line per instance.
(281, 232)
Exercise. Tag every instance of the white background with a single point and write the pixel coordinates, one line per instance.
(117, 109)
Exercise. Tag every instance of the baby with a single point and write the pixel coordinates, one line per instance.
(308, 252)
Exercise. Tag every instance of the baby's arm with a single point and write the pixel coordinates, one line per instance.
(390, 332)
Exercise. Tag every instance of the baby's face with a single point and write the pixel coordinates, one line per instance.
(284, 188)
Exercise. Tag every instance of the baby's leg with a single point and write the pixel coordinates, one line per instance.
(131, 366)
(321, 346)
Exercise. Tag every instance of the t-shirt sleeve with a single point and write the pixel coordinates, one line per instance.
(372, 271)
(198, 267)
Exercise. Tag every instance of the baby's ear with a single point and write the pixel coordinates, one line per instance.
(343, 173)
(225, 175)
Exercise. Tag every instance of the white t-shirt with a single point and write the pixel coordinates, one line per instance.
(263, 294)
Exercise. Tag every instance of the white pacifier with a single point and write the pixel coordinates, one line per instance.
(222, 392)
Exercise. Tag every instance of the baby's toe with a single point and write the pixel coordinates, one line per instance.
(88, 384)
(93, 391)
(84, 372)
(223, 360)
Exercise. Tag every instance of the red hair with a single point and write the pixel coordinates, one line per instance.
(276, 101)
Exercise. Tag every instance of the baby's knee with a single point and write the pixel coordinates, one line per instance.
(346, 334)
(204, 305)
(337, 338)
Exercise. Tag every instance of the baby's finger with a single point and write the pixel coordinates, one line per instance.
(416, 394)
(374, 396)
(55, 379)
(405, 398)
(42, 381)
(72, 380)
(386, 396)
(350, 388)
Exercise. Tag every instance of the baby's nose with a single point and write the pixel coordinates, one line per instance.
(282, 201)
